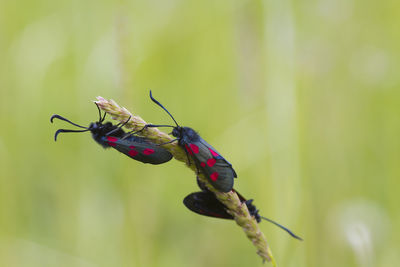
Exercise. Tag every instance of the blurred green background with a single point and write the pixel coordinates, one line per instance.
(301, 97)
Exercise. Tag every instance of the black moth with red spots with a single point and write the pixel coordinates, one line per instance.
(216, 168)
(205, 203)
(109, 135)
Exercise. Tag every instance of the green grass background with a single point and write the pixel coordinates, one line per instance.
(302, 97)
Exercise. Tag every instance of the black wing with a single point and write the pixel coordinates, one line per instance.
(205, 203)
(216, 168)
(139, 148)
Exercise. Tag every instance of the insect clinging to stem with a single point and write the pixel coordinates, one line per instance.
(205, 203)
(109, 135)
(207, 159)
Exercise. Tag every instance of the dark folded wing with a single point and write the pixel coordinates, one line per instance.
(140, 149)
(205, 203)
(216, 168)
(217, 155)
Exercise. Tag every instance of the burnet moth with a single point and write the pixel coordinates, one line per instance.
(205, 203)
(207, 159)
(109, 135)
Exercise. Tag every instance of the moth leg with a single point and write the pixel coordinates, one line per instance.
(119, 126)
(145, 127)
(188, 159)
(197, 169)
(159, 125)
(139, 131)
(133, 132)
(202, 186)
(176, 139)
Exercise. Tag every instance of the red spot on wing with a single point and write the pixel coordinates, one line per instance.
(194, 148)
(211, 162)
(215, 154)
(133, 153)
(188, 150)
(202, 164)
(111, 143)
(131, 147)
(148, 151)
(112, 139)
(214, 176)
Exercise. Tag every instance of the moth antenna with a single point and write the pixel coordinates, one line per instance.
(55, 116)
(158, 103)
(67, 131)
(282, 227)
(101, 119)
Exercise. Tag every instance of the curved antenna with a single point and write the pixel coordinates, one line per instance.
(98, 109)
(101, 119)
(158, 103)
(67, 131)
(282, 227)
(55, 116)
